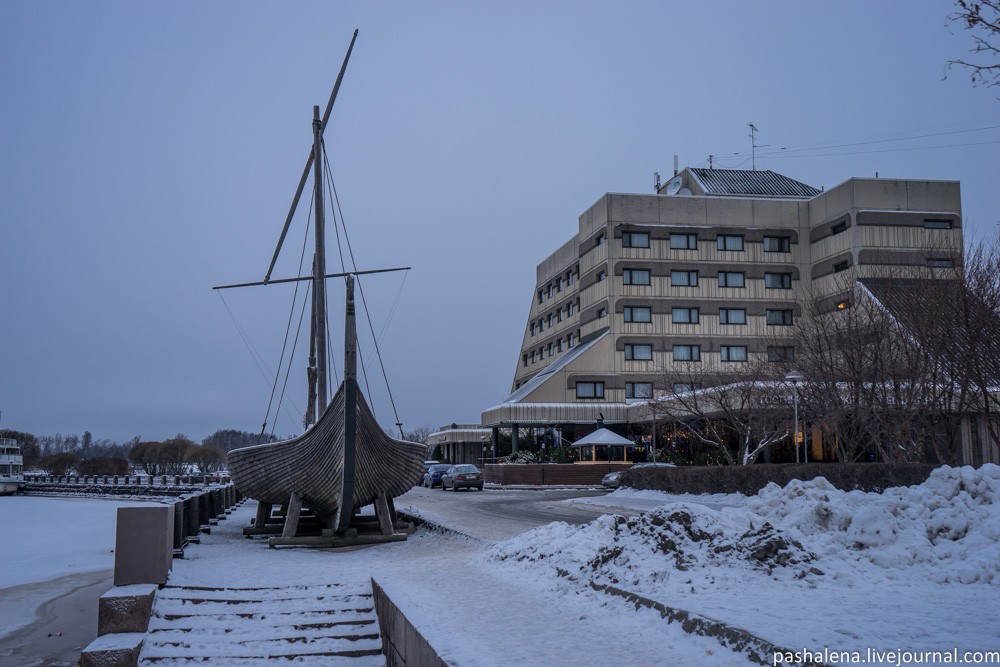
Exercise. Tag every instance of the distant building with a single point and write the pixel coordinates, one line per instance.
(713, 268)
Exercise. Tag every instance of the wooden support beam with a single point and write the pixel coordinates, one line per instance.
(382, 512)
(292, 516)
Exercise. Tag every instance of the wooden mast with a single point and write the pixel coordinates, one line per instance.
(319, 268)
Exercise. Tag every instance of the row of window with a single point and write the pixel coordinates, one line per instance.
(644, 314)
(555, 317)
(731, 242)
(555, 287)
(775, 353)
(690, 278)
(632, 389)
(642, 352)
(550, 350)
(735, 242)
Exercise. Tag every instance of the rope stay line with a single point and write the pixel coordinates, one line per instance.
(361, 291)
(288, 327)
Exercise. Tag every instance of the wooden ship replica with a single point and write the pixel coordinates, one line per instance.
(310, 489)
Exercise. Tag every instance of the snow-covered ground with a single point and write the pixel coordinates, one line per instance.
(806, 567)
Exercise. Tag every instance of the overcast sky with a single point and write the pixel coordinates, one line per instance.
(149, 151)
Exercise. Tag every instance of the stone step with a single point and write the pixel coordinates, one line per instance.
(322, 624)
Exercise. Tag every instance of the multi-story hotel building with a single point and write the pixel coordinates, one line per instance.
(711, 269)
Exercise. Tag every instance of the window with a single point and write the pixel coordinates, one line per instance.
(558, 284)
(569, 341)
(733, 352)
(731, 279)
(778, 280)
(532, 328)
(541, 325)
(681, 387)
(779, 317)
(777, 244)
(635, 239)
(541, 296)
(638, 390)
(684, 278)
(569, 309)
(559, 345)
(638, 314)
(687, 352)
(934, 223)
(602, 313)
(548, 292)
(601, 238)
(838, 228)
(550, 320)
(732, 316)
(940, 262)
(532, 356)
(638, 352)
(601, 275)
(780, 353)
(551, 347)
(590, 390)
(684, 316)
(559, 315)
(683, 241)
(525, 359)
(635, 276)
(729, 242)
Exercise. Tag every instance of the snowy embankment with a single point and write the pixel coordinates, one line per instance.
(804, 566)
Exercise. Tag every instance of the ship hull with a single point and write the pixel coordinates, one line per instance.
(322, 467)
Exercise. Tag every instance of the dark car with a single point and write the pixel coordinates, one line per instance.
(433, 475)
(613, 479)
(463, 476)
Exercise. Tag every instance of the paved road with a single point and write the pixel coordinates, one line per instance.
(499, 514)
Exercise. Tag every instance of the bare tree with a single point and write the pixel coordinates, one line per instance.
(739, 412)
(207, 458)
(982, 19)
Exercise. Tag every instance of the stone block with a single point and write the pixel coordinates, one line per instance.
(114, 650)
(125, 609)
(144, 541)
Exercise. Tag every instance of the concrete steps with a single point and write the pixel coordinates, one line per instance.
(328, 624)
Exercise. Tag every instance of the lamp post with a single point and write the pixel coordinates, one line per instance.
(653, 405)
(794, 378)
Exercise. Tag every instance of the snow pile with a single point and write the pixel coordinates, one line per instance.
(659, 545)
(948, 527)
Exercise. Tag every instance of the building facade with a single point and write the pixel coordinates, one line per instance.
(710, 270)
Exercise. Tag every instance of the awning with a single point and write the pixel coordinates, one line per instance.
(603, 436)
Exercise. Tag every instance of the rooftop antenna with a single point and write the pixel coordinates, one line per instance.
(710, 158)
(656, 181)
(675, 164)
(753, 146)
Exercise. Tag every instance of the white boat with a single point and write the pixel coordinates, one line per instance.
(11, 467)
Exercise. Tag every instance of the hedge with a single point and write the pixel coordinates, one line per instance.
(750, 479)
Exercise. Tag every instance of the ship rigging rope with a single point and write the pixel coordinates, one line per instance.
(258, 359)
(284, 344)
(343, 267)
(371, 327)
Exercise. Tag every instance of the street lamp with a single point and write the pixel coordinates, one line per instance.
(794, 377)
(652, 404)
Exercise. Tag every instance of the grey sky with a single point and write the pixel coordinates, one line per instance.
(150, 150)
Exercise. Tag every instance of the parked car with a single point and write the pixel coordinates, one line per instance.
(433, 475)
(613, 479)
(465, 475)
